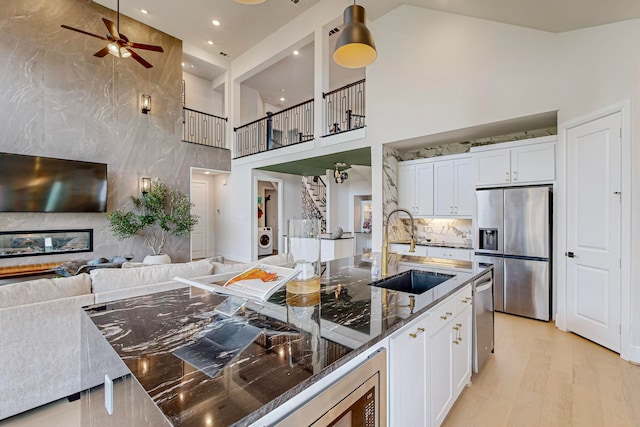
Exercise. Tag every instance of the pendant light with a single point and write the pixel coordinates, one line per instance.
(355, 47)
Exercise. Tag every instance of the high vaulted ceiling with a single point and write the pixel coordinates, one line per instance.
(242, 26)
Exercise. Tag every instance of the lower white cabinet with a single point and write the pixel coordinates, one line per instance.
(449, 353)
(403, 249)
(409, 401)
(430, 363)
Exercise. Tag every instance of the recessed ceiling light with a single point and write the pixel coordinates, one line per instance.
(210, 42)
(193, 66)
(216, 22)
(282, 99)
(295, 52)
(182, 63)
(144, 11)
(207, 172)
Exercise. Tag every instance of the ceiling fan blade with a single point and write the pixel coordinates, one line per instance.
(84, 32)
(147, 47)
(102, 53)
(139, 59)
(111, 27)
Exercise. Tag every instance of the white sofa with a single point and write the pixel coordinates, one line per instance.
(40, 325)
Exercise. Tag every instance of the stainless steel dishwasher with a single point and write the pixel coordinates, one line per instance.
(483, 327)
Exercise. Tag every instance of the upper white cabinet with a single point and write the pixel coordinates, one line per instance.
(453, 187)
(415, 187)
(436, 187)
(513, 163)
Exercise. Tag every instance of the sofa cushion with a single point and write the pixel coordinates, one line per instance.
(110, 279)
(40, 290)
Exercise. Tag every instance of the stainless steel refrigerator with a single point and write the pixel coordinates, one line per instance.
(514, 234)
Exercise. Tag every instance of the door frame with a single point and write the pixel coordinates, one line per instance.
(206, 216)
(212, 172)
(627, 351)
(254, 209)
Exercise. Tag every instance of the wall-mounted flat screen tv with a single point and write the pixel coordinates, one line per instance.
(43, 184)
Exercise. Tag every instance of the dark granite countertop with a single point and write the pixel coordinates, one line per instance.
(195, 363)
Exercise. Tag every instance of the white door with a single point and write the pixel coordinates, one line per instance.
(424, 189)
(407, 187)
(593, 230)
(199, 233)
(464, 188)
(443, 194)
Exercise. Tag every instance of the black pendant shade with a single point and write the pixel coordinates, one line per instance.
(355, 47)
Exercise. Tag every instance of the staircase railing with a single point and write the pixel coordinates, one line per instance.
(287, 127)
(345, 108)
(204, 129)
(315, 199)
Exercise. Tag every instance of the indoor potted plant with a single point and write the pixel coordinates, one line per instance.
(160, 212)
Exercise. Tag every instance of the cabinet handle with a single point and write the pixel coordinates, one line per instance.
(451, 209)
(415, 334)
(464, 301)
(459, 325)
(446, 315)
(515, 175)
(456, 342)
(455, 328)
(456, 212)
(507, 178)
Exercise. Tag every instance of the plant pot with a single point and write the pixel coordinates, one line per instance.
(157, 259)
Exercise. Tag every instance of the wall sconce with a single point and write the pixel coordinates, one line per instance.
(355, 47)
(145, 103)
(145, 185)
(339, 174)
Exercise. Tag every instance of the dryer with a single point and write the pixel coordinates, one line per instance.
(265, 241)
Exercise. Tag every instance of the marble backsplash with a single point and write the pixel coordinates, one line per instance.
(451, 231)
(465, 146)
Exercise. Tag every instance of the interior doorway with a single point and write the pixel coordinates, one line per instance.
(203, 184)
(269, 217)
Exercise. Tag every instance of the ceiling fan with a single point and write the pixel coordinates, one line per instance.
(119, 45)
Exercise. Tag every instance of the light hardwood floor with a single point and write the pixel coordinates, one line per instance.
(538, 376)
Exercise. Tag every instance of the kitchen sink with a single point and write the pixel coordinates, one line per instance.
(413, 281)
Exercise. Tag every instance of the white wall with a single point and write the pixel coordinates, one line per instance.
(251, 105)
(200, 96)
(342, 210)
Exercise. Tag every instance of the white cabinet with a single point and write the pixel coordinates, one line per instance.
(523, 162)
(450, 352)
(415, 187)
(451, 253)
(403, 249)
(453, 187)
(408, 399)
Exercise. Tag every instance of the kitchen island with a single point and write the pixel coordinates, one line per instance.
(264, 360)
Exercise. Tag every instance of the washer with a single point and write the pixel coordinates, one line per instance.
(265, 241)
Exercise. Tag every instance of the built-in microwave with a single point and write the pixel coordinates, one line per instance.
(359, 399)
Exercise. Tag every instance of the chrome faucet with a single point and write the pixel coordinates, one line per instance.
(385, 243)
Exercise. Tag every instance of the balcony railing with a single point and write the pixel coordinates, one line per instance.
(204, 129)
(287, 127)
(345, 108)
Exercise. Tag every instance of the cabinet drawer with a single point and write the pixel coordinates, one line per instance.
(442, 315)
(462, 299)
(450, 253)
(401, 248)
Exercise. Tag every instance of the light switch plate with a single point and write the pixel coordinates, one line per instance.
(108, 394)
